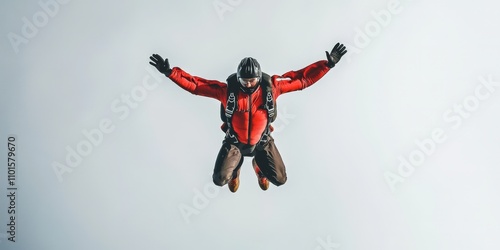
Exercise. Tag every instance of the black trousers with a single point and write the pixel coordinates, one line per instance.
(267, 157)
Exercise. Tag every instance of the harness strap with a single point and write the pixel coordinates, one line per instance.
(230, 108)
(269, 105)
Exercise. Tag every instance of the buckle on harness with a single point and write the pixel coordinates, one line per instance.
(269, 104)
(231, 137)
(231, 104)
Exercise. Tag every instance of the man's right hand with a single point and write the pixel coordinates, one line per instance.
(161, 65)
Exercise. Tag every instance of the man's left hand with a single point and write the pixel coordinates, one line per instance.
(334, 57)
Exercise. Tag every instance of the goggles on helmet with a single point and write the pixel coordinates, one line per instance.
(248, 82)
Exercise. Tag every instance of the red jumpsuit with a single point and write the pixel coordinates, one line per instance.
(250, 119)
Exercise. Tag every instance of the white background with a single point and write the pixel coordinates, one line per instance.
(339, 138)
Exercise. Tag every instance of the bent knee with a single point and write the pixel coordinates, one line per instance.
(219, 180)
(279, 180)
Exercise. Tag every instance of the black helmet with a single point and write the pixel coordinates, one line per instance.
(249, 68)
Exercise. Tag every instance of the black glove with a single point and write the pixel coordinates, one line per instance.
(334, 57)
(161, 65)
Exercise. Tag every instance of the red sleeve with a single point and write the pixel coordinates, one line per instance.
(301, 79)
(197, 85)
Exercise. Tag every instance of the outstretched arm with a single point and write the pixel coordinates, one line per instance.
(193, 84)
(301, 79)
